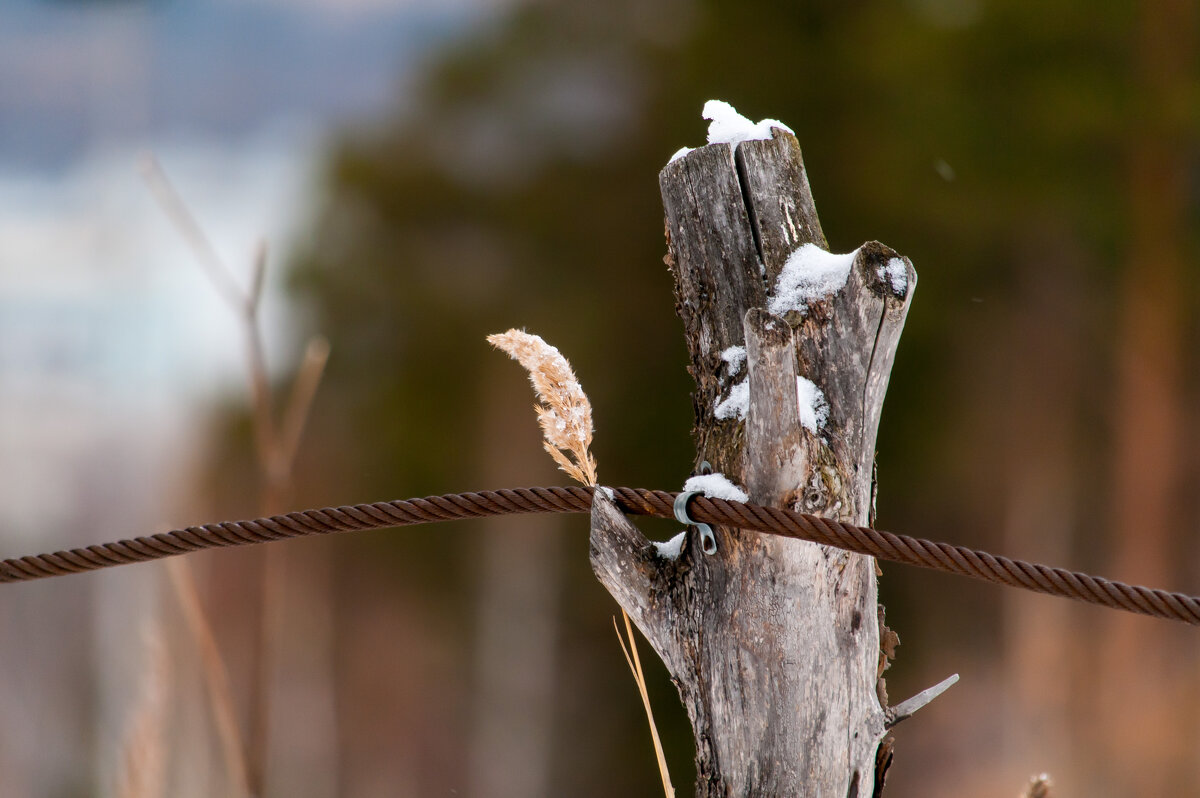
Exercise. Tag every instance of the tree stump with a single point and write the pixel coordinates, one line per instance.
(773, 643)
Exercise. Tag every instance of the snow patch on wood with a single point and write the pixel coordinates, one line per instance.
(814, 409)
(716, 486)
(737, 404)
(809, 274)
(735, 356)
(728, 126)
(895, 271)
(671, 549)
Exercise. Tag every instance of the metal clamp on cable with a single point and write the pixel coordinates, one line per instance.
(708, 541)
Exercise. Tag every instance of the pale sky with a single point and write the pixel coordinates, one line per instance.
(72, 73)
(236, 98)
(112, 342)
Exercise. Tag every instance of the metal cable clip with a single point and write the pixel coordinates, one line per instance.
(708, 541)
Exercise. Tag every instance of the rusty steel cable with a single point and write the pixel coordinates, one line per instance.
(636, 501)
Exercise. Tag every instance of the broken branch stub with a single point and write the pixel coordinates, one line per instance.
(773, 642)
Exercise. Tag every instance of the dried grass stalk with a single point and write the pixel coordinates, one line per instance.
(565, 414)
(639, 678)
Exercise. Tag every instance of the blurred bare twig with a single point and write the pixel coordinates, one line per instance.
(185, 222)
(276, 444)
(216, 677)
(304, 389)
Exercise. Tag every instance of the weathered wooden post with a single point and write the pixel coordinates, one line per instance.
(773, 643)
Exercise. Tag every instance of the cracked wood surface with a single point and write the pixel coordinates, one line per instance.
(772, 642)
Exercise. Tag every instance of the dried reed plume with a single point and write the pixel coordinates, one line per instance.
(565, 413)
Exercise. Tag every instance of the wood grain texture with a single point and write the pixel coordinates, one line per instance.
(773, 642)
(780, 201)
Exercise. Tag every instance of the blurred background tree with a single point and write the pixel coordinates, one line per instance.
(1038, 164)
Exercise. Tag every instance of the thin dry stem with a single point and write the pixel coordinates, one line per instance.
(276, 468)
(565, 414)
(304, 389)
(635, 667)
(258, 274)
(216, 678)
(143, 751)
(266, 441)
(177, 211)
(244, 302)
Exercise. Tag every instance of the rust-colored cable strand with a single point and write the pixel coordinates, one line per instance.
(636, 501)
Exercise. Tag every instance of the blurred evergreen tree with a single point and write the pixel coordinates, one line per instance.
(516, 187)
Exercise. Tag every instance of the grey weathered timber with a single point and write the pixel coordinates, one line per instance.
(773, 643)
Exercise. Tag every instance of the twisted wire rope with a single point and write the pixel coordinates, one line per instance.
(636, 501)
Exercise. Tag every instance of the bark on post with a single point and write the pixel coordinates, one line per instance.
(774, 643)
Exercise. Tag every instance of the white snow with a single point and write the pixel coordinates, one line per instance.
(814, 409)
(735, 356)
(809, 274)
(672, 547)
(737, 404)
(716, 486)
(679, 153)
(895, 272)
(728, 126)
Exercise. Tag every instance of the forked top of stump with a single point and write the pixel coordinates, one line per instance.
(735, 215)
